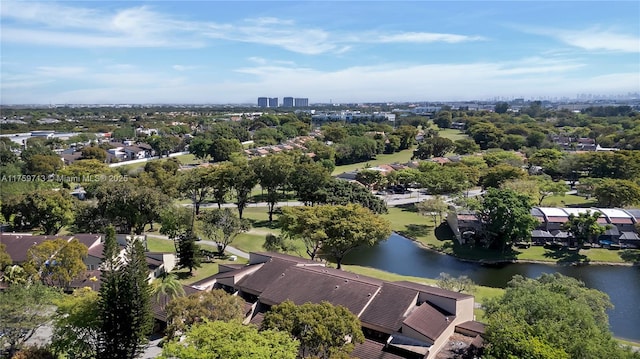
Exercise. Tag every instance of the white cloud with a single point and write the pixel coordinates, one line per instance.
(591, 39)
(184, 68)
(425, 37)
(66, 26)
(594, 40)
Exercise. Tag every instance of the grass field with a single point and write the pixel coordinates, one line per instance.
(188, 159)
(452, 134)
(570, 200)
(381, 159)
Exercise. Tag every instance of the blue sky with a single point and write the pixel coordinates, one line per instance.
(82, 52)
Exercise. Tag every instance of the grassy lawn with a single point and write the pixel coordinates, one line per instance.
(187, 159)
(569, 200)
(452, 134)
(381, 159)
(207, 270)
(155, 244)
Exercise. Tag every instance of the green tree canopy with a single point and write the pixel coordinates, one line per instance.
(216, 304)
(550, 317)
(321, 328)
(222, 226)
(24, 308)
(232, 340)
(335, 230)
(56, 262)
(584, 227)
(506, 217)
(45, 209)
(617, 193)
(273, 173)
(76, 324)
(497, 175)
(124, 303)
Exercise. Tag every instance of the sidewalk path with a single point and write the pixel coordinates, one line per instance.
(230, 249)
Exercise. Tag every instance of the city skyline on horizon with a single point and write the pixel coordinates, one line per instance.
(214, 52)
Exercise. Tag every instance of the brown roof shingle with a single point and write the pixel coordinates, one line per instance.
(307, 284)
(429, 321)
(260, 280)
(373, 350)
(389, 306)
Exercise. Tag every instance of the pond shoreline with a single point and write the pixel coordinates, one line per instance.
(498, 262)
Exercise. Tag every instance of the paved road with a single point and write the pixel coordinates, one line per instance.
(392, 200)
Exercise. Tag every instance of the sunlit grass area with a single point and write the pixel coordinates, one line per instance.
(452, 134)
(187, 159)
(206, 270)
(381, 159)
(568, 200)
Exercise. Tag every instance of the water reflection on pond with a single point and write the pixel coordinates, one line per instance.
(402, 256)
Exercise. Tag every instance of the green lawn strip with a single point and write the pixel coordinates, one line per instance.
(155, 244)
(381, 159)
(206, 270)
(187, 159)
(452, 134)
(249, 242)
(568, 200)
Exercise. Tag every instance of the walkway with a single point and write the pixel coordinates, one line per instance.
(230, 249)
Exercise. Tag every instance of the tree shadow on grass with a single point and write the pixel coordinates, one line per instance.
(409, 207)
(182, 275)
(566, 256)
(630, 255)
(415, 230)
(444, 233)
(265, 223)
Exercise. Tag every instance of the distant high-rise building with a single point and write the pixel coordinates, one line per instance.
(287, 102)
(301, 102)
(262, 102)
(273, 102)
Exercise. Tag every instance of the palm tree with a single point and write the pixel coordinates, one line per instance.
(167, 287)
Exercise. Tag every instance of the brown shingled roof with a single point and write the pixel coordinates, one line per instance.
(260, 280)
(372, 350)
(472, 326)
(429, 321)
(17, 245)
(302, 284)
(433, 290)
(389, 306)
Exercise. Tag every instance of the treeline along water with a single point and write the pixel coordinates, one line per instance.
(403, 256)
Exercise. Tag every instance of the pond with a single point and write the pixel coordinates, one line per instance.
(403, 256)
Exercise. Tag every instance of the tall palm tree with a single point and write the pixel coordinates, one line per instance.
(167, 287)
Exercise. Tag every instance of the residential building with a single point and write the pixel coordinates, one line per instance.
(301, 102)
(287, 102)
(399, 319)
(620, 224)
